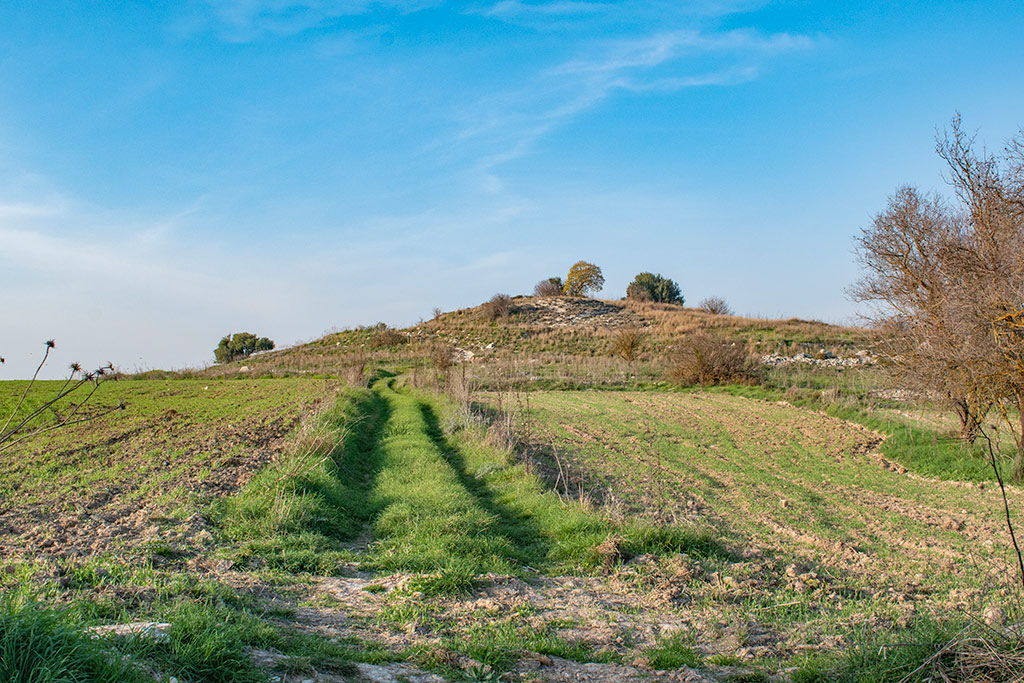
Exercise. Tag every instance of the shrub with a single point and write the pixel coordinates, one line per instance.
(637, 292)
(706, 360)
(442, 357)
(716, 305)
(387, 338)
(627, 342)
(553, 286)
(240, 345)
(584, 278)
(659, 289)
(499, 307)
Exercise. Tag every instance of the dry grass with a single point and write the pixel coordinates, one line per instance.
(991, 656)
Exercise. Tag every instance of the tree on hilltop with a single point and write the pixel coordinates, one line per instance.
(650, 287)
(240, 345)
(583, 278)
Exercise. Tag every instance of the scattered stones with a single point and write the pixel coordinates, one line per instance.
(571, 312)
(860, 359)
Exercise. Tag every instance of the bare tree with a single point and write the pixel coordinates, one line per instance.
(553, 286)
(946, 278)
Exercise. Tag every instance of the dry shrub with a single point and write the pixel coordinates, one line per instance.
(715, 305)
(705, 359)
(498, 308)
(442, 359)
(627, 342)
(548, 288)
(354, 372)
(637, 292)
(387, 338)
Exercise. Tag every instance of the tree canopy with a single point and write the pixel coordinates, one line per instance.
(583, 278)
(240, 345)
(650, 287)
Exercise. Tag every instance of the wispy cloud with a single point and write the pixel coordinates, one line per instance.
(661, 48)
(248, 20)
(29, 210)
(513, 9)
(510, 123)
(580, 14)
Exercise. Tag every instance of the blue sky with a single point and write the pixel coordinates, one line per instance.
(171, 172)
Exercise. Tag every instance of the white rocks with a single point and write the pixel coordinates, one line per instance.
(140, 629)
(860, 359)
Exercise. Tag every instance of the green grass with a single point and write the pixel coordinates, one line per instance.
(297, 514)
(924, 451)
(673, 652)
(392, 479)
(37, 646)
(453, 503)
(500, 644)
(881, 657)
(170, 437)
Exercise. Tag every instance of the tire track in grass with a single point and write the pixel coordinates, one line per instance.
(427, 519)
(455, 504)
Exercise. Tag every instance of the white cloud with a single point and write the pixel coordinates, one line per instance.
(507, 125)
(27, 210)
(248, 20)
(508, 9)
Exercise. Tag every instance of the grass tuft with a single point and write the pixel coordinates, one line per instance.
(38, 646)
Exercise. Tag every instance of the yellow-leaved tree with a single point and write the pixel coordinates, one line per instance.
(584, 278)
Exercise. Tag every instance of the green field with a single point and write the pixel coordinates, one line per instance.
(141, 473)
(443, 522)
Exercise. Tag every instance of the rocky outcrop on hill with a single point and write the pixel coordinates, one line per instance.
(565, 311)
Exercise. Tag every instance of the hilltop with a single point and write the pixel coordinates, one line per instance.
(548, 330)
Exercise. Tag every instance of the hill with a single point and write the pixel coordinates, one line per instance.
(553, 333)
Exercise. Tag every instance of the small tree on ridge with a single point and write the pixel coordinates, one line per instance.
(584, 278)
(659, 289)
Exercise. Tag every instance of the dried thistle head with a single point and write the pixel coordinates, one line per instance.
(50, 343)
(76, 367)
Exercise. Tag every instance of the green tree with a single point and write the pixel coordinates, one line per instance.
(584, 278)
(650, 287)
(240, 345)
